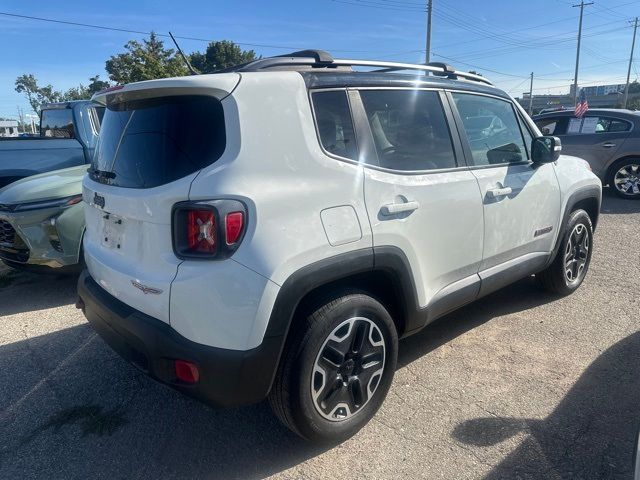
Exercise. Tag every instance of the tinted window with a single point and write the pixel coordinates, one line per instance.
(146, 143)
(99, 114)
(57, 123)
(333, 119)
(552, 126)
(619, 126)
(590, 125)
(492, 142)
(409, 129)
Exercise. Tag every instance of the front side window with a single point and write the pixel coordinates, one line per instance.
(333, 120)
(553, 126)
(409, 129)
(492, 129)
(57, 123)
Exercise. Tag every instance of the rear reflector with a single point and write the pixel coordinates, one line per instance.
(186, 371)
(234, 222)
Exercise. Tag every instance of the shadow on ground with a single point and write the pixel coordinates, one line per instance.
(73, 409)
(612, 204)
(25, 292)
(590, 434)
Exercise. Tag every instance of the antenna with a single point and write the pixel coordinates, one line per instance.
(191, 69)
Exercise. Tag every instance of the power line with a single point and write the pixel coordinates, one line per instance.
(139, 32)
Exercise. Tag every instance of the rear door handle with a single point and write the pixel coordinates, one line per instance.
(499, 192)
(608, 145)
(394, 208)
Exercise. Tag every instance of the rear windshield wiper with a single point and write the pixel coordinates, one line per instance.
(101, 173)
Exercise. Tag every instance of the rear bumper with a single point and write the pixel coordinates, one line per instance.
(227, 377)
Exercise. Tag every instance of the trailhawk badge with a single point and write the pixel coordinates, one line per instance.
(144, 289)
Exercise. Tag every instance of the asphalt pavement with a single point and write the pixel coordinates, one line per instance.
(520, 384)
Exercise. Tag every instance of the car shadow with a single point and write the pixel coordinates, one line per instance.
(514, 298)
(591, 434)
(612, 204)
(73, 408)
(24, 291)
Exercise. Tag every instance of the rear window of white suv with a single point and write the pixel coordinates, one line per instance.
(151, 142)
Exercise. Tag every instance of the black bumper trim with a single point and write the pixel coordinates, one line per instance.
(227, 377)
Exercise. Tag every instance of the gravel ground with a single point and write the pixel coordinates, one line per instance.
(518, 385)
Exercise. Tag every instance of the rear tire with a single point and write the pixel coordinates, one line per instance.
(573, 258)
(624, 178)
(336, 369)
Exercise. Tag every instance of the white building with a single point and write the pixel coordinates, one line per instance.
(8, 128)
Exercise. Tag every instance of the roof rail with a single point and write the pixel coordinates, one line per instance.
(322, 59)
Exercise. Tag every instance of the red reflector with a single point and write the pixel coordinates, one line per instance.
(186, 371)
(201, 231)
(234, 223)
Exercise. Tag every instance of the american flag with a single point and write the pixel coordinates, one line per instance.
(582, 106)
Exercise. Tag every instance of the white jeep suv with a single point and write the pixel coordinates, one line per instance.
(274, 229)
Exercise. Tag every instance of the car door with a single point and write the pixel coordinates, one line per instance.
(420, 197)
(521, 200)
(594, 138)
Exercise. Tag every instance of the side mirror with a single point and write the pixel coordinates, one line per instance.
(545, 149)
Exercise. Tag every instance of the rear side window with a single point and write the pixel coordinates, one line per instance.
(492, 129)
(57, 123)
(335, 127)
(588, 125)
(151, 142)
(409, 129)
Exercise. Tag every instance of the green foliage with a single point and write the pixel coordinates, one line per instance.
(219, 55)
(633, 104)
(39, 96)
(145, 61)
(634, 87)
(36, 95)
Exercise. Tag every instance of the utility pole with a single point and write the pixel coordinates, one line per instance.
(633, 44)
(531, 95)
(575, 77)
(429, 15)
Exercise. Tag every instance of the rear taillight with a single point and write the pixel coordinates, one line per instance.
(209, 230)
(201, 231)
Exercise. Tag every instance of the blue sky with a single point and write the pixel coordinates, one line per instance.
(503, 39)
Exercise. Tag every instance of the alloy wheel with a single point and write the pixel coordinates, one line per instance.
(348, 369)
(576, 253)
(627, 180)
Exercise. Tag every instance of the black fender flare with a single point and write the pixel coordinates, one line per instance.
(589, 192)
(390, 260)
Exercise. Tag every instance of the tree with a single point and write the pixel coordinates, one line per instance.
(36, 95)
(222, 54)
(96, 85)
(145, 61)
(39, 96)
(634, 87)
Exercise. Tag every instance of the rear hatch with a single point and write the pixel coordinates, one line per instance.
(155, 138)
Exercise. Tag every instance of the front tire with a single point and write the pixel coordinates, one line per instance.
(573, 258)
(336, 369)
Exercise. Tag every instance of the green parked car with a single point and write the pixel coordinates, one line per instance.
(42, 221)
